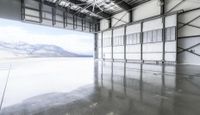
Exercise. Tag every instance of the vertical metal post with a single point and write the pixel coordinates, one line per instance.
(76, 22)
(82, 24)
(131, 16)
(176, 35)
(162, 12)
(125, 43)
(163, 39)
(141, 42)
(110, 22)
(162, 7)
(95, 45)
(85, 24)
(64, 19)
(22, 10)
(53, 16)
(99, 28)
(89, 27)
(112, 45)
(73, 22)
(40, 10)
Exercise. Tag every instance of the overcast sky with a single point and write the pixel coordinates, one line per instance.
(14, 31)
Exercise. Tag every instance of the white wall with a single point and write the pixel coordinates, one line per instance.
(104, 24)
(186, 5)
(136, 28)
(153, 25)
(187, 31)
(187, 57)
(146, 10)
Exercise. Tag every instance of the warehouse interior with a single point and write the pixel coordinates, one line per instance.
(146, 56)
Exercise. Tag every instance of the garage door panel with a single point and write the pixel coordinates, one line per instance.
(153, 47)
(152, 56)
(133, 56)
(170, 56)
(136, 28)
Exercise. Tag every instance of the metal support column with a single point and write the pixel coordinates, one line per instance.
(163, 39)
(141, 42)
(64, 19)
(90, 27)
(95, 45)
(40, 10)
(85, 24)
(73, 22)
(125, 43)
(112, 45)
(53, 16)
(162, 12)
(110, 23)
(131, 16)
(176, 34)
(76, 23)
(82, 21)
(22, 10)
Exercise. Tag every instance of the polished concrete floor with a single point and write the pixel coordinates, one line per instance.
(99, 88)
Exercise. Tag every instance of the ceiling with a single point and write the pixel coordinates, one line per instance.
(97, 8)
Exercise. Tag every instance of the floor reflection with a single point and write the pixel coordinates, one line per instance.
(143, 89)
(123, 89)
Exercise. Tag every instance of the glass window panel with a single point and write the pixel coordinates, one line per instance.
(138, 37)
(159, 35)
(150, 36)
(167, 34)
(145, 37)
(154, 36)
(173, 33)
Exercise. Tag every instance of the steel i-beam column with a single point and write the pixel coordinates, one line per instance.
(141, 42)
(22, 10)
(124, 43)
(40, 10)
(162, 12)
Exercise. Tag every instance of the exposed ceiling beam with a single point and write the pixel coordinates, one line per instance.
(122, 4)
(139, 3)
(96, 10)
(61, 8)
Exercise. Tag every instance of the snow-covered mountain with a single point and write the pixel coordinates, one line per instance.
(33, 50)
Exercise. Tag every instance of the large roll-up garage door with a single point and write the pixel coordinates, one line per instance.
(107, 45)
(170, 38)
(118, 43)
(133, 42)
(152, 40)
